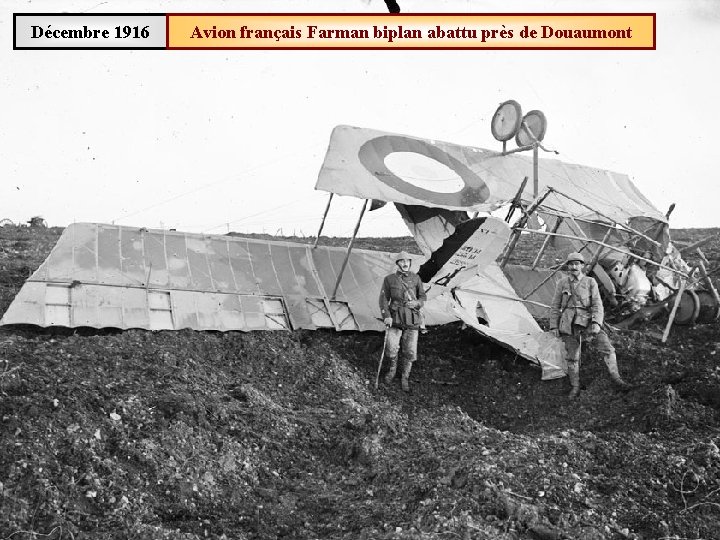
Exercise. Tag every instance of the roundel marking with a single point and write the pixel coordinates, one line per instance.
(373, 155)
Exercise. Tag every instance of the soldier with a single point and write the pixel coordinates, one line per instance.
(576, 315)
(401, 298)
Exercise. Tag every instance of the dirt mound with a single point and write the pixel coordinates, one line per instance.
(266, 435)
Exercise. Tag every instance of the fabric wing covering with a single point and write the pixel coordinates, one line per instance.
(371, 164)
(104, 276)
(476, 290)
(508, 321)
(123, 277)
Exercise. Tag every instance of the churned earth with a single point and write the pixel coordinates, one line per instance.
(136, 434)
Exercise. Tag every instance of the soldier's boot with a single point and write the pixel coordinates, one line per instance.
(574, 377)
(407, 366)
(611, 363)
(390, 375)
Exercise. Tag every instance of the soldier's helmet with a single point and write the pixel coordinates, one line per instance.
(403, 255)
(575, 256)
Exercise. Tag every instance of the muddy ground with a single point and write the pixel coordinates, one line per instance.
(136, 434)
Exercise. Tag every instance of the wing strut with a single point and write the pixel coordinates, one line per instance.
(349, 249)
(322, 223)
(517, 229)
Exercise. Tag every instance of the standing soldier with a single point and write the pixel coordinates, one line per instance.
(401, 297)
(576, 315)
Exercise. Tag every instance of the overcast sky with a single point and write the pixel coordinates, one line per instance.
(206, 141)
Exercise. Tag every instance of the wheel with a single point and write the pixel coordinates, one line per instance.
(506, 120)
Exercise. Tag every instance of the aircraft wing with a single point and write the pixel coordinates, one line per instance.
(370, 164)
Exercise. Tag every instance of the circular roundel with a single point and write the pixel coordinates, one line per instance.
(373, 154)
(506, 120)
(688, 309)
(532, 129)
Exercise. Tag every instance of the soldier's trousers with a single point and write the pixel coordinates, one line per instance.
(600, 342)
(395, 339)
(398, 339)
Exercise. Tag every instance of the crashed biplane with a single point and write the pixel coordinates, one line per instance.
(124, 277)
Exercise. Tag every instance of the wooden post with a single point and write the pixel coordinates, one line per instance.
(546, 242)
(147, 278)
(322, 223)
(505, 297)
(702, 255)
(596, 257)
(517, 230)
(608, 246)
(586, 238)
(680, 292)
(535, 169)
(611, 220)
(697, 244)
(349, 249)
(544, 281)
(586, 241)
(625, 228)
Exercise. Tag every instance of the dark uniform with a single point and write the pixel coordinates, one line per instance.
(577, 314)
(399, 289)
